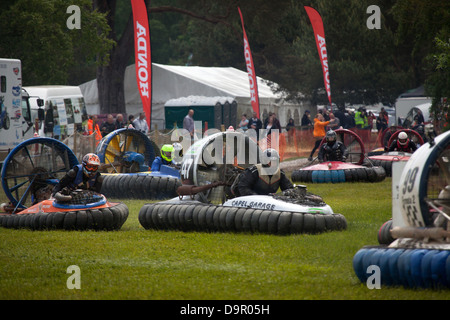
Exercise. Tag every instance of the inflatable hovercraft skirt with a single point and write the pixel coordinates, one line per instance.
(337, 172)
(258, 214)
(142, 185)
(74, 215)
(126, 156)
(414, 250)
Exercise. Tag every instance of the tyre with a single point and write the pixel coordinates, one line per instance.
(212, 218)
(139, 186)
(384, 233)
(410, 268)
(106, 218)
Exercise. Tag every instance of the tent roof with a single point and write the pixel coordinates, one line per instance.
(230, 81)
(171, 82)
(417, 92)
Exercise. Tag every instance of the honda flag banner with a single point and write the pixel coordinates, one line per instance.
(319, 35)
(254, 98)
(142, 56)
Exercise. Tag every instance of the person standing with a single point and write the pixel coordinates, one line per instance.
(244, 122)
(318, 133)
(140, 123)
(361, 119)
(306, 120)
(119, 124)
(255, 123)
(382, 121)
(108, 126)
(130, 122)
(334, 122)
(188, 123)
(93, 127)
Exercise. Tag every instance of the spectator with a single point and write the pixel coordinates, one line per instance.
(188, 123)
(334, 122)
(419, 118)
(350, 120)
(306, 120)
(272, 124)
(290, 128)
(140, 123)
(244, 122)
(108, 126)
(319, 132)
(93, 128)
(276, 122)
(255, 124)
(370, 118)
(130, 121)
(84, 123)
(382, 120)
(290, 124)
(340, 114)
(361, 119)
(119, 122)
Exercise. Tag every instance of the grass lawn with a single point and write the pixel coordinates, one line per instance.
(135, 263)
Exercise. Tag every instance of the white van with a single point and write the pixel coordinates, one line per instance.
(64, 108)
(15, 124)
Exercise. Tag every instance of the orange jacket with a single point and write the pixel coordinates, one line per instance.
(90, 125)
(319, 128)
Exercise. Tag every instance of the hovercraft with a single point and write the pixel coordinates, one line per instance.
(29, 173)
(206, 202)
(338, 171)
(126, 156)
(414, 249)
(386, 159)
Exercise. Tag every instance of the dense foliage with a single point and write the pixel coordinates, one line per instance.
(366, 65)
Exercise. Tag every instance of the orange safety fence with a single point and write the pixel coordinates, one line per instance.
(298, 142)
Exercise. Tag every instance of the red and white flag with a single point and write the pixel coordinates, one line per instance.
(143, 56)
(319, 35)
(254, 98)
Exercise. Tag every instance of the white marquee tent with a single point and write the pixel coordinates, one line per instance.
(174, 82)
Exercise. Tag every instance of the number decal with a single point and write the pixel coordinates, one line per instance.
(410, 179)
(186, 167)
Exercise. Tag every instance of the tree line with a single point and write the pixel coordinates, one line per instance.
(366, 66)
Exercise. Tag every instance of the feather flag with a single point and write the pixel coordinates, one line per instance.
(143, 56)
(319, 35)
(254, 98)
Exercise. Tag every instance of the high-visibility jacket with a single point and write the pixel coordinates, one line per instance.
(360, 120)
(91, 130)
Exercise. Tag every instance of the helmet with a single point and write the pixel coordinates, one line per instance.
(271, 155)
(403, 138)
(90, 163)
(331, 136)
(178, 149)
(167, 152)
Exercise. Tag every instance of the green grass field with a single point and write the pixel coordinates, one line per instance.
(135, 263)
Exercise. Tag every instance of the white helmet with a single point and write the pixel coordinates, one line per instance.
(271, 155)
(403, 138)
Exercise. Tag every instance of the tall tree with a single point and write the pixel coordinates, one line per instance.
(110, 77)
(36, 33)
